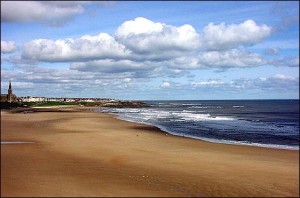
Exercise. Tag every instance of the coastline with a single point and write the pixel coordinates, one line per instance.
(84, 153)
(272, 146)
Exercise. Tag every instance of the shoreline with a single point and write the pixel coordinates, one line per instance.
(84, 153)
(216, 141)
(70, 108)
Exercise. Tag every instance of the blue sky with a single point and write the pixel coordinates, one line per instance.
(147, 50)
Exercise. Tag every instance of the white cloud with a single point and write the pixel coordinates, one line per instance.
(283, 77)
(50, 12)
(54, 13)
(219, 37)
(68, 50)
(213, 59)
(7, 46)
(262, 78)
(165, 84)
(230, 58)
(65, 82)
(139, 25)
(144, 36)
(132, 69)
(210, 83)
(145, 48)
(185, 62)
(139, 42)
(109, 66)
(279, 82)
(127, 80)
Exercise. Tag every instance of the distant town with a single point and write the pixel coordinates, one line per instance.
(11, 100)
(46, 99)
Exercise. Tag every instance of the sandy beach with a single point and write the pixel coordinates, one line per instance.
(81, 153)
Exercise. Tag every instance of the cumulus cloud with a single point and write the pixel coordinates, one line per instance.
(7, 46)
(50, 12)
(230, 58)
(144, 37)
(142, 48)
(141, 40)
(135, 69)
(217, 59)
(110, 66)
(69, 50)
(222, 36)
(175, 67)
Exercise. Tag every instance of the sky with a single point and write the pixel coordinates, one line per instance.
(151, 50)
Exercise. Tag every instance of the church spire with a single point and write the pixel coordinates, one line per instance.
(9, 94)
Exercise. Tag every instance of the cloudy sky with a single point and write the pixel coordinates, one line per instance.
(151, 50)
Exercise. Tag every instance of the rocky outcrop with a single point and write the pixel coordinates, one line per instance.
(125, 104)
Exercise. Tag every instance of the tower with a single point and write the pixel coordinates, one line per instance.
(9, 94)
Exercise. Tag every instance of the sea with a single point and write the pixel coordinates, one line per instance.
(263, 123)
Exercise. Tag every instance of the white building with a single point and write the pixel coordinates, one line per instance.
(32, 99)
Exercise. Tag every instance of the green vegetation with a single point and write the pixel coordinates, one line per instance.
(54, 103)
(28, 104)
(8, 105)
(115, 104)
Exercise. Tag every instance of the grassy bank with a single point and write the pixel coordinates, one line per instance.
(116, 104)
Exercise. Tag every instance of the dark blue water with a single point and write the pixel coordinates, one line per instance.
(268, 123)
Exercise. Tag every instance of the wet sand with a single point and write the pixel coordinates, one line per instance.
(92, 154)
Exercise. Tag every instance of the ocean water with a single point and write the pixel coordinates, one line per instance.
(265, 123)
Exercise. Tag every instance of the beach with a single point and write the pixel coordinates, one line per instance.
(76, 152)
